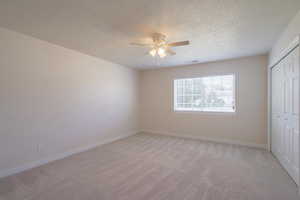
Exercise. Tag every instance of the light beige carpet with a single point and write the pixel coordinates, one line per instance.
(145, 166)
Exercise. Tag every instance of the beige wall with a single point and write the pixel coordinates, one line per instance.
(287, 36)
(55, 100)
(248, 125)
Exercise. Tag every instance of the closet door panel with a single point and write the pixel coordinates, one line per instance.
(285, 113)
(276, 110)
(295, 97)
(294, 114)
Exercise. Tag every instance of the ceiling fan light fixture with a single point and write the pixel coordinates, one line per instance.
(153, 52)
(160, 47)
(161, 51)
(162, 55)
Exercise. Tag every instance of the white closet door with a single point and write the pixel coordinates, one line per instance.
(285, 113)
(277, 97)
(292, 117)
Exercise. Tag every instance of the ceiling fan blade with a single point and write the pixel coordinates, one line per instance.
(140, 44)
(170, 52)
(182, 43)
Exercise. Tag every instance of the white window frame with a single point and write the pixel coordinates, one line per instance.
(202, 111)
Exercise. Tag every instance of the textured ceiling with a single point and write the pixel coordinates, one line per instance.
(217, 29)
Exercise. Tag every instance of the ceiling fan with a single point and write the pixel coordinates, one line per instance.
(160, 47)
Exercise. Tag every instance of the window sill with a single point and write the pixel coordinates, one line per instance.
(205, 112)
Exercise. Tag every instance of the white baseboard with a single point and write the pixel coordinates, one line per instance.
(27, 166)
(225, 141)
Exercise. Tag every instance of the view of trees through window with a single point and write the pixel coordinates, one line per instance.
(213, 93)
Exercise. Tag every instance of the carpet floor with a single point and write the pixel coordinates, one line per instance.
(148, 166)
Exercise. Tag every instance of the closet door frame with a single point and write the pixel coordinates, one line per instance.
(294, 44)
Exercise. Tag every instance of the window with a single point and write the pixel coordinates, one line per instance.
(207, 94)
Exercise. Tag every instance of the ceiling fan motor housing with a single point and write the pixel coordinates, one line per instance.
(159, 38)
